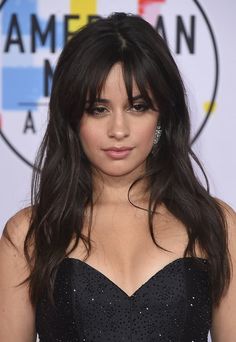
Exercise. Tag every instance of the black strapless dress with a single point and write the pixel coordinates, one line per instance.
(174, 305)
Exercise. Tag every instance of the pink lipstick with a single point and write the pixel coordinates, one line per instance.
(118, 152)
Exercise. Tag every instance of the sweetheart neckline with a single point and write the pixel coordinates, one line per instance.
(136, 292)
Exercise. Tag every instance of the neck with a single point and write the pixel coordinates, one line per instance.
(113, 190)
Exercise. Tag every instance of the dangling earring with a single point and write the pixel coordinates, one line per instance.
(157, 135)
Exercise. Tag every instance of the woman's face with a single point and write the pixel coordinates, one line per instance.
(113, 123)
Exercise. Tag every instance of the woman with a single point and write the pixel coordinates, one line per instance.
(121, 241)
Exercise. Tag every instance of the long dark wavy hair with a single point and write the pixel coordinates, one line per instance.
(61, 187)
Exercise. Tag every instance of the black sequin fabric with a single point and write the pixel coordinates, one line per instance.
(174, 305)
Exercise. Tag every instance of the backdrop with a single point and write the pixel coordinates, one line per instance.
(200, 36)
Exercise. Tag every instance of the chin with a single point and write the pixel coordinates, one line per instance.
(118, 172)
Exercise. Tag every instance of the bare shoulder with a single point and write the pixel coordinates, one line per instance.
(20, 218)
(12, 257)
(16, 228)
(17, 312)
(230, 217)
(226, 207)
(223, 323)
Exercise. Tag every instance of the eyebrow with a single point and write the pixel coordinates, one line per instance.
(137, 97)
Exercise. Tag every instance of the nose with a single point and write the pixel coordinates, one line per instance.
(118, 126)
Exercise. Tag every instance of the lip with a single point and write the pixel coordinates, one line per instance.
(122, 148)
(118, 153)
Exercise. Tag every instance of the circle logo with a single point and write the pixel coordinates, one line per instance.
(33, 34)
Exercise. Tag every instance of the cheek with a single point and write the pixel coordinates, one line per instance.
(89, 136)
(146, 133)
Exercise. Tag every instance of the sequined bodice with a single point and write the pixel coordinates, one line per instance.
(174, 305)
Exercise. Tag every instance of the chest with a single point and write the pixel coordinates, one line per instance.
(122, 248)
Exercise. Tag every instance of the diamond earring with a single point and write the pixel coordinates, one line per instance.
(157, 134)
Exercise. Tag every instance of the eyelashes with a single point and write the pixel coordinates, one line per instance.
(141, 107)
(102, 110)
(97, 110)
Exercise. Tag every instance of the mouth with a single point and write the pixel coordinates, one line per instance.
(118, 153)
(118, 149)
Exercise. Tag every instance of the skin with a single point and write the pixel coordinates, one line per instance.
(115, 123)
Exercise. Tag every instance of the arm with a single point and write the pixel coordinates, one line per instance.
(17, 321)
(224, 317)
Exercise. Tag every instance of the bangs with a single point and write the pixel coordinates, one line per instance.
(133, 71)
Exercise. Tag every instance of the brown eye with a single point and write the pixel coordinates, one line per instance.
(97, 110)
(140, 107)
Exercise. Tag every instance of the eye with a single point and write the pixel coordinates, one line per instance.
(96, 110)
(140, 107)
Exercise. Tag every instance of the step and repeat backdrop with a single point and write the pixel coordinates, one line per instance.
(200, 36)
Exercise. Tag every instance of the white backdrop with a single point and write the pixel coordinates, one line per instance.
(201, 37)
